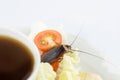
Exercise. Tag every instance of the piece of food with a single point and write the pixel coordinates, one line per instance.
(89, 76)
(69, 62)
(68, 75)
(55, 65)
(67, 67)
(47, 39)
(45, 72)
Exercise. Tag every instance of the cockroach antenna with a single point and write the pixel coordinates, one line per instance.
(77, 35)
(75, 38)
(98, 57)
(88, 54)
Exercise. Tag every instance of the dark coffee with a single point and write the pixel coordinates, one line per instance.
(16, 60)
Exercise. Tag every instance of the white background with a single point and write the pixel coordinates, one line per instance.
(98, 19)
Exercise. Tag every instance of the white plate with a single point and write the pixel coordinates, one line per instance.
(90, 63)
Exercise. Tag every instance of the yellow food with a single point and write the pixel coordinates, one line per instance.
(45, 72)
(67, 68)
(89, 76)
(68, 75)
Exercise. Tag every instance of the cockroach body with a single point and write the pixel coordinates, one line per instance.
(55, 53)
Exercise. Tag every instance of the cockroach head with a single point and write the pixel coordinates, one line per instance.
(67, 48)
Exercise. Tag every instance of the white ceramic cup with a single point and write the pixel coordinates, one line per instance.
(31, 46)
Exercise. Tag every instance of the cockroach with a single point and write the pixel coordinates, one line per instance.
(57, 52)
(54, 56)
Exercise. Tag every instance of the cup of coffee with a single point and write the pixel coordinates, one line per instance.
(19, 57)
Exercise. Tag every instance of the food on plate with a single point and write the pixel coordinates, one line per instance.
(69, 62)
(55, 64)
(89, 76)
(47, 39)
(54, 56)
(45, 72)
(67, 75)
(68, 69)
(58, 62)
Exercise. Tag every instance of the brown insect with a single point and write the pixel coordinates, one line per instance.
(54, 56)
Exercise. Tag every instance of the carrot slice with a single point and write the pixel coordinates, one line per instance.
(55, 65)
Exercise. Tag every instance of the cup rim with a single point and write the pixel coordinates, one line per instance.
(28, 43)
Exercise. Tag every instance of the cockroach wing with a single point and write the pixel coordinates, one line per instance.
(53, 54)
